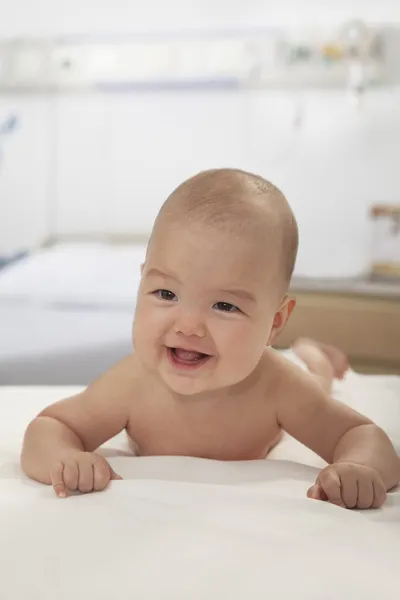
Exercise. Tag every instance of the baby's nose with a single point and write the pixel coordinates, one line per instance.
(190, 323)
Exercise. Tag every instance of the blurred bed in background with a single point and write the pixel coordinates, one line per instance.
(66, 311)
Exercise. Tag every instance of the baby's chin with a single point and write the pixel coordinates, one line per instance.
(198, 387)
(188, 388)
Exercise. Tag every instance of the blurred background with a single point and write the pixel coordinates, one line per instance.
(106, 106)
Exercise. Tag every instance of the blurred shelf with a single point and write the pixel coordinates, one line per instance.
(363, 319)
(357, 286)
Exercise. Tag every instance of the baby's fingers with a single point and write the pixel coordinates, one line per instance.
(379, 493)
(101, 475)
(115, 475)
(365, 496)
(57, 480)
(86, 475)
(350, 489)
(317, 493)
(330, 482)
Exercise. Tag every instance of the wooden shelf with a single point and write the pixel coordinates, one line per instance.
(365, 326)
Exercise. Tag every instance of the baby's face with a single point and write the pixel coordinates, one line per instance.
(205, 309)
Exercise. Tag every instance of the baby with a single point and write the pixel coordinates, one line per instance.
(203, 380)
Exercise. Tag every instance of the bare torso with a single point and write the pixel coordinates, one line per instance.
(241, 426)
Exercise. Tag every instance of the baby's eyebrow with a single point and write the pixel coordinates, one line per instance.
(153, 272)
(244, 294)
(239, 293)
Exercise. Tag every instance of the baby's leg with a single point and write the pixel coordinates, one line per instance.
(323, 361)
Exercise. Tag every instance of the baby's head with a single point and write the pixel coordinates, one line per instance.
(214, 285)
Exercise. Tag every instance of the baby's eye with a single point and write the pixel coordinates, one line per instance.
(226, 307)
(165, 295)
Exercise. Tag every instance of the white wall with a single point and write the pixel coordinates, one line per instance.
(53, 17)
(108, 161)
(25, 172)
(130, 152)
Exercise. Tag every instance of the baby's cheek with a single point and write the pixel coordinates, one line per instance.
(140, 333)
(244, 346)
(149, 329)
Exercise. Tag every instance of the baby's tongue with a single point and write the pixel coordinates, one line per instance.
(188, 355)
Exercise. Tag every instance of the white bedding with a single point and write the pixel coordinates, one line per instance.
(186, 528)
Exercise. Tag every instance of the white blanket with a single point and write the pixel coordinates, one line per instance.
(183, 528)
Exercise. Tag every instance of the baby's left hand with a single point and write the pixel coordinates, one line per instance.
(349, 485)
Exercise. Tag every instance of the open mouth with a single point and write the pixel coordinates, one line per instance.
(187, 359)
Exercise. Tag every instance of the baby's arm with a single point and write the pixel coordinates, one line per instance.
(364, 464)
(58, 444)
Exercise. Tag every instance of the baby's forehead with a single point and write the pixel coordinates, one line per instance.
(244, 208)
(185, 235)
(212, 255)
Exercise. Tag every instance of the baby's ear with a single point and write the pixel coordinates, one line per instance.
(281, 318)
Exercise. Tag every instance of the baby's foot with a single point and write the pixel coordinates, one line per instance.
(337, 359)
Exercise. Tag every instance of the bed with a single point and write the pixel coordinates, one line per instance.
(66, 311)
(182, 528)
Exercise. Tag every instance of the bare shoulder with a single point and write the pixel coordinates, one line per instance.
(291, 382)
(282, 374)
(286, 381)
(119, 382)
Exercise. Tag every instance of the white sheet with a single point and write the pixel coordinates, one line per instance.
(184, 528)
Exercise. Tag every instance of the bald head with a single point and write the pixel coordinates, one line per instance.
(238, 202)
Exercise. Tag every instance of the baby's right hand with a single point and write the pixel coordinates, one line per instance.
(81, 471)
